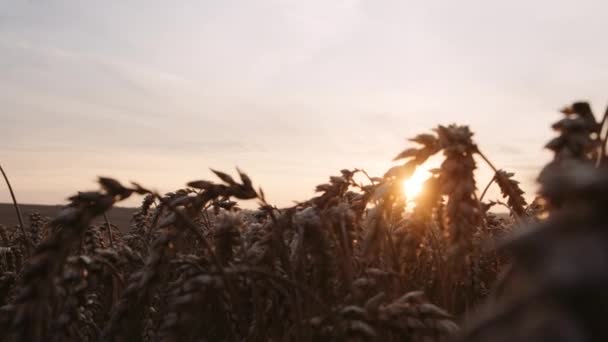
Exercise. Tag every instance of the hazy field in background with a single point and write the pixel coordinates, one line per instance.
(121, 217)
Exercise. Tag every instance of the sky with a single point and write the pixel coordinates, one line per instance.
(289, 91)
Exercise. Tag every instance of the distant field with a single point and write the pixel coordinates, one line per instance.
(118, 216)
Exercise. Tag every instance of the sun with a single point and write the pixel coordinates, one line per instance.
(414, 185)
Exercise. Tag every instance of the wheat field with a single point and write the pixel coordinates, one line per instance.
(358, 262)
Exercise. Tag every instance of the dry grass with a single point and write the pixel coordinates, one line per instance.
(352, 264)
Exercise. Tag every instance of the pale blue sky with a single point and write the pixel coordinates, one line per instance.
(290, 91)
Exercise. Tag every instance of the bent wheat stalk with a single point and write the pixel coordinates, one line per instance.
(17, 210)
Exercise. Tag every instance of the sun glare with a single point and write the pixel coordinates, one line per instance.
(413, 185)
